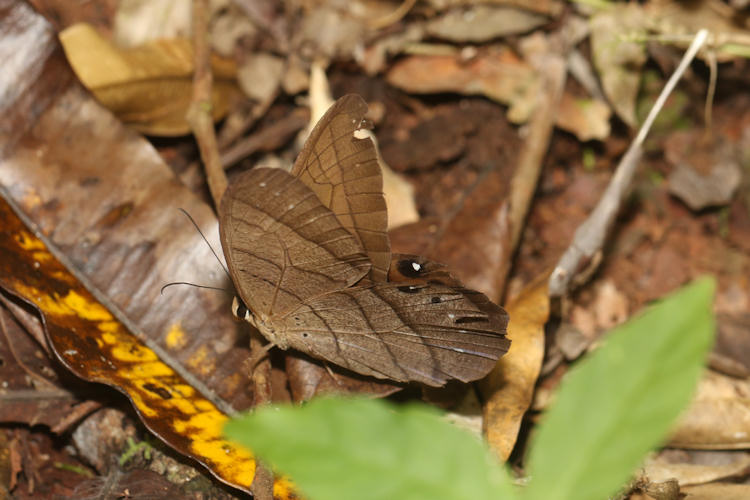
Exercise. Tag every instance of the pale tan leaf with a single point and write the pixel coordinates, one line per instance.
(617, 58)
(509, 388)
(148, 87)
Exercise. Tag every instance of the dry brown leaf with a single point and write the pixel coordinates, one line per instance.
(498, 74)
(481, 23)
(148, 87)
(725, 491)
(509, 388)
(695, 467)
(719, 417)
(588, 119)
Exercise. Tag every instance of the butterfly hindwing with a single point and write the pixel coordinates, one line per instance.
(404, 332)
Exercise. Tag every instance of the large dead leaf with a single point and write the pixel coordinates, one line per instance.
(150, 86)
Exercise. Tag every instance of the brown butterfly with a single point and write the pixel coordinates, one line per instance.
(310, 257)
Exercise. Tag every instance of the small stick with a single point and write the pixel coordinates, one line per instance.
(589, 237)
(199, 115)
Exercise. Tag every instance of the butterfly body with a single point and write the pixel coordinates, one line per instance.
(310, 257)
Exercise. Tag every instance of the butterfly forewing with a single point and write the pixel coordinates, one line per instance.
(404, 332)
(344, 173)
(282, 245)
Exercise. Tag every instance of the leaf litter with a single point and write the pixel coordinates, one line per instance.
(442, 130)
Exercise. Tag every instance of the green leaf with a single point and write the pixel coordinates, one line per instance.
(619, 402)
(369, 449)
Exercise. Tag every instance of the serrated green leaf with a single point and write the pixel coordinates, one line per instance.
(619, 402)
(340, 449)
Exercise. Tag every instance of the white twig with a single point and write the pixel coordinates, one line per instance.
(589, 237)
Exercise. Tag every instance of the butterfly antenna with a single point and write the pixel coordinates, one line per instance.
(226, 271)
(193, 284)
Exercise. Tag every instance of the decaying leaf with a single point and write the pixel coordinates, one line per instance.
(509, 389)
(148, 87)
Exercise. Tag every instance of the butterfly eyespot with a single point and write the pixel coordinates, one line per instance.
(408, 289)
(436, 300)
(305, 335)
(410, 268)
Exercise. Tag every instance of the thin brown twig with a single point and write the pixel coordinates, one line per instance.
(202, 124)
(268, 139)
(536, 144)
(590, 236)
(199, 115)
(551, 68)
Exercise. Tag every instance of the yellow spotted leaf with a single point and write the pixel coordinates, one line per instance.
(97, 347)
